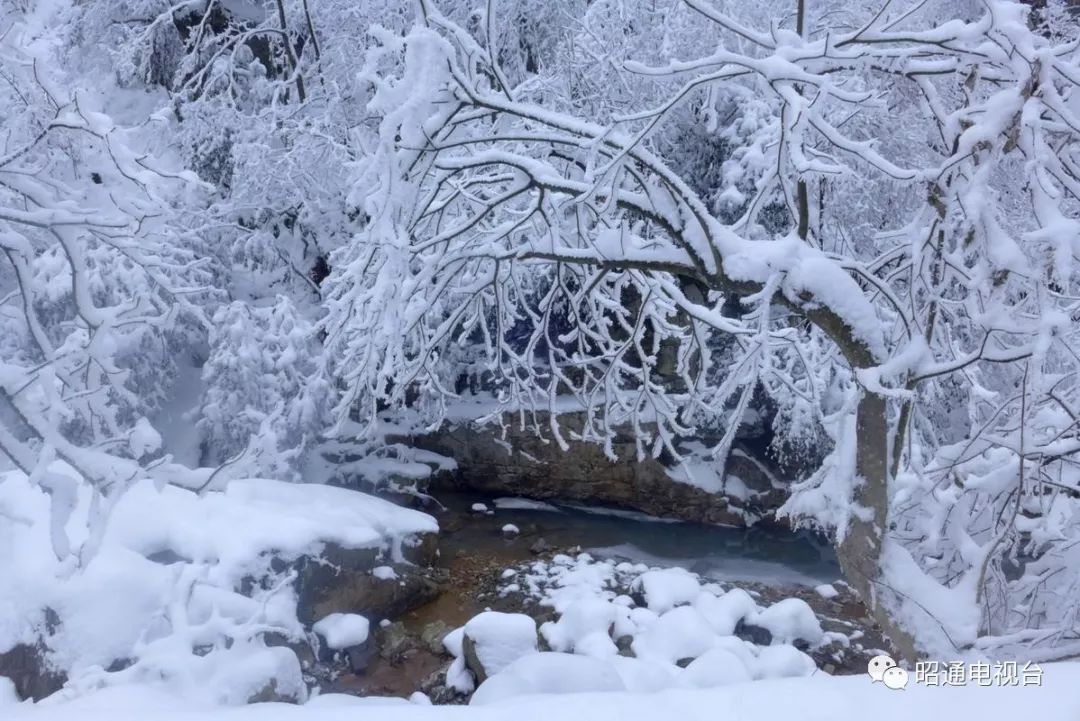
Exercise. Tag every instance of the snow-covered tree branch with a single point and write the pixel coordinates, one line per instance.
(921, 309)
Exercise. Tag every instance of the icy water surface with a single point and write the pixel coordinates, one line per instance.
(760, 554)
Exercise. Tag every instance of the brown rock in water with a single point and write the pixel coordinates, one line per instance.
(394, 641)
(540, 546)
(433, 635)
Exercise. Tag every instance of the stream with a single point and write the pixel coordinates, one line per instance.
(719, 553)
(474, 551)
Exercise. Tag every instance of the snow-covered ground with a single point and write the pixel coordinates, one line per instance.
(818, 698)
(163, 594)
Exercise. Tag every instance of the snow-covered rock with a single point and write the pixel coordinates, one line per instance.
(783, 661)
(725, 612)
(666, 588)
(679, 634)
(826, 590)
(790, 620)
(584, 618)
(493, 640)
(715, 667)
(384, 573)
(646, 675)
(341, 630)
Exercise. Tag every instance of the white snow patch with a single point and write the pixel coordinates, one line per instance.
(524, 504)
(7, 691)
(826, 590)
(384, 573)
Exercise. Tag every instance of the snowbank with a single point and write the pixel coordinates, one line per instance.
(176, 574)
(818, 698)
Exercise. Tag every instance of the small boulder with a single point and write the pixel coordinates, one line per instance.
(539, 547)
(494, 640)
(393, 641)
(433, 635)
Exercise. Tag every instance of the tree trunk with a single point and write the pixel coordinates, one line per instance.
(860, 548)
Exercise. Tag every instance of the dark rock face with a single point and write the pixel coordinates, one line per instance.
(339, 580)
(29, 668)
(583, 473)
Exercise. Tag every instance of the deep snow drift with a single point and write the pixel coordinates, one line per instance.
(818, 698)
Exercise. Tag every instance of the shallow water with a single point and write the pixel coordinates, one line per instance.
(760, 554)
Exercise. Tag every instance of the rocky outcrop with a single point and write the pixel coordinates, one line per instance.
(522, 464)
(341, 580)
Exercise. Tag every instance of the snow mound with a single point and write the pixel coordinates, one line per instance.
(783, 661)
(715, 667)
(342, 630)
(549, 673)
(826, 590)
